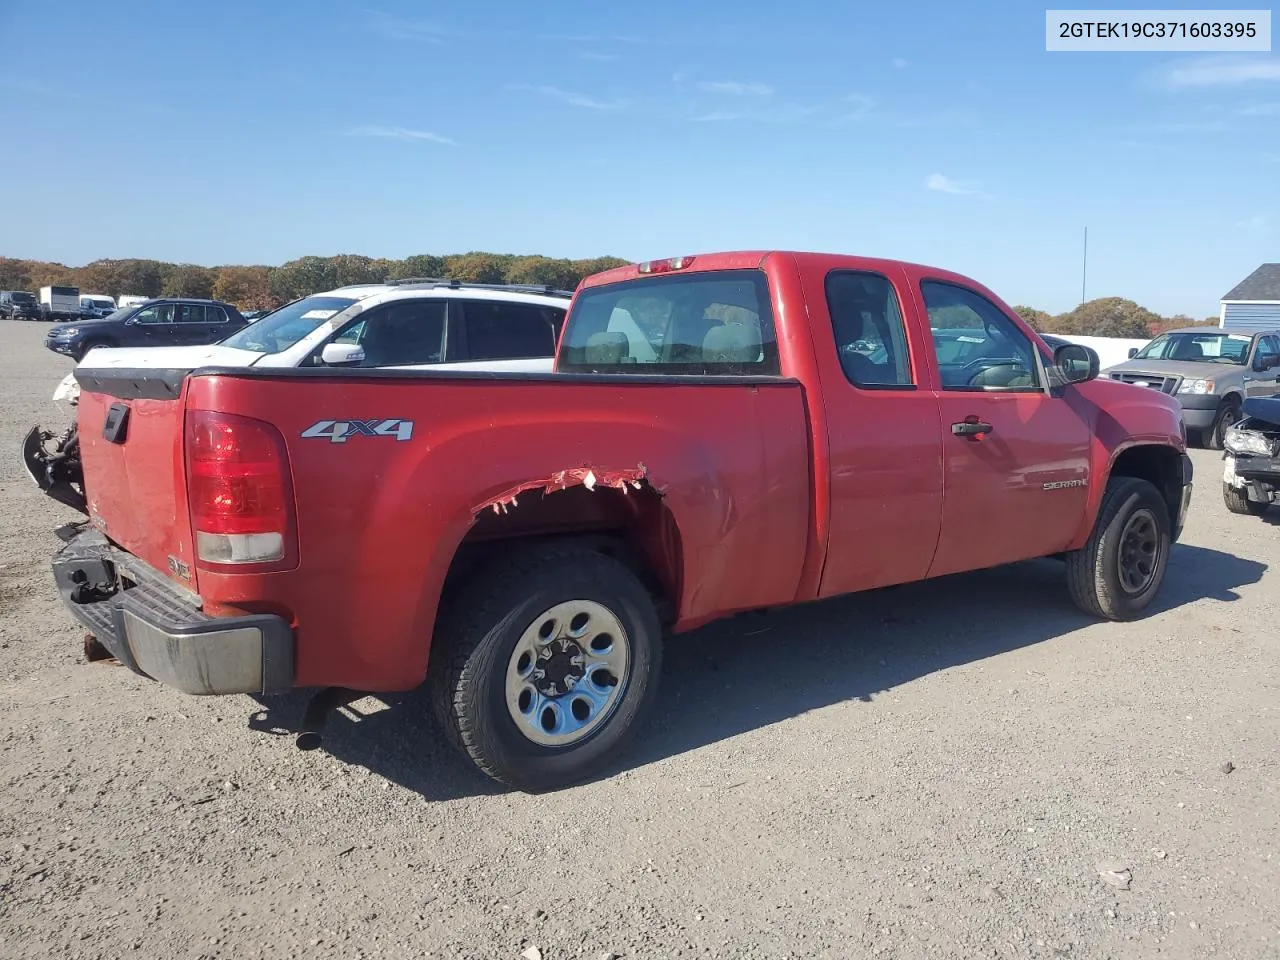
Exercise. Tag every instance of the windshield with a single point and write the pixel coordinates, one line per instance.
(1208, 347)
(23, 298)
(708, 323)
(280, 330)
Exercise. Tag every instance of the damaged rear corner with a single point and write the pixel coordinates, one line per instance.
(53, 463)
(588, 478)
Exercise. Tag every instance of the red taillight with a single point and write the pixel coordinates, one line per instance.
(665, 266)
(238, 486)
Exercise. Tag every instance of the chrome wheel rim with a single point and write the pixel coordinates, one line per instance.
(567, 672)
(1140, 550)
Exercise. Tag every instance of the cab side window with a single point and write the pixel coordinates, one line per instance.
(1268, 354)
(403, 333)
(978, 347)
(497, 330)
(871, 339)
(160, 313)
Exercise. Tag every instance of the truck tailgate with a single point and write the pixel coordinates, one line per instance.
(134, 473)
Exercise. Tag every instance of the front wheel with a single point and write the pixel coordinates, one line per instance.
(548, 660)
(1228, 414)
(1118, 571)
(1238, 501)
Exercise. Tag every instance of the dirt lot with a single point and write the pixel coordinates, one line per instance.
(938, 770)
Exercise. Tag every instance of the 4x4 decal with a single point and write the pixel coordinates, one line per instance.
(340, 431)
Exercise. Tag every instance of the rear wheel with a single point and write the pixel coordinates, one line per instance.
(1238, 501)
(1118, 571)
(1228, 414)
(548, 659)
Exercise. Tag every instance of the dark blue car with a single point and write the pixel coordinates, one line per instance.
(163, 322)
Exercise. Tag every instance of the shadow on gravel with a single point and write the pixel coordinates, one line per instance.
(757, 669)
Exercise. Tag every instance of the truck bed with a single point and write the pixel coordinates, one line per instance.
(381, 516)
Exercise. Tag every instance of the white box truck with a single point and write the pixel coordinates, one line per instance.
(60, 303)
(129, 300)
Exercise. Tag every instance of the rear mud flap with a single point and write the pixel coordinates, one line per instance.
(57, 472)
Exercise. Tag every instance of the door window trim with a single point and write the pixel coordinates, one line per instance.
(912, 366)
(1044, 386)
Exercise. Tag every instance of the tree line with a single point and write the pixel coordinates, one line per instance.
(1108, 317)
(265, 287)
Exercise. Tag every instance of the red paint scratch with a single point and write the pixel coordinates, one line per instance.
(589, 477)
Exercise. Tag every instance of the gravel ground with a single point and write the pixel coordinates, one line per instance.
(945, 769)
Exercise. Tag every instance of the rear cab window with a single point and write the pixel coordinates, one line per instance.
(713, 323)
(870, 334)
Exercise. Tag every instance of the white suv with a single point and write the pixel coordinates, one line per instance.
(404, 324)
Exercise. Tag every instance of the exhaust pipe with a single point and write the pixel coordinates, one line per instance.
(317, 714)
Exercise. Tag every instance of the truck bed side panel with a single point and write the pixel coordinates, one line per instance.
(379, 519)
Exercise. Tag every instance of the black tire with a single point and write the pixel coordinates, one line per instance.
(1228, 413)
(1238, 501)
(1094, 572)
(478, 634)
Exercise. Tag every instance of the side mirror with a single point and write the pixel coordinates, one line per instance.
(1076, 362)
(1263, 364)
(341, 354)
(1133, 352)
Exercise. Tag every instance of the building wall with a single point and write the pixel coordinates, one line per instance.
(1256, 315)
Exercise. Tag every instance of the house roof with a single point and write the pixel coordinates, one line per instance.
(1262, 284)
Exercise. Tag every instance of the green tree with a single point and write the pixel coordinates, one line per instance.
(350, 268)
(561, 274)
(249, 288)
(1036, 319)
(586, 268)
(476, 267)
(1108, 317)
(420, 265)
(14, 274)
(302, 277)
(188, 280)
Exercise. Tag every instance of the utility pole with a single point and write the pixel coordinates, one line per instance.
(1084, 266)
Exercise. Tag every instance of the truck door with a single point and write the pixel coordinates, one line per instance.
(1263, 376)
(1016, 455)
(885, 445)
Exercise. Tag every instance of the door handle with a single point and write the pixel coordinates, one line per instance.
(971, 427)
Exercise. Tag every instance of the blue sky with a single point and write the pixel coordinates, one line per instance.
(244, 132)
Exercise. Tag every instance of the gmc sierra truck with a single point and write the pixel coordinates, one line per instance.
(721, 433)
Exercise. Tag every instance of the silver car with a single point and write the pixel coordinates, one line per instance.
(1210, 370)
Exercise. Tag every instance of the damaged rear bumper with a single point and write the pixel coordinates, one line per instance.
(160, 632)
(56, 471)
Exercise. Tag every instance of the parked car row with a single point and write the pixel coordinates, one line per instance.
(61, 303)
(513, 494)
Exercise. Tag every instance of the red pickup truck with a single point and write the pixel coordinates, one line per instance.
(723, 433)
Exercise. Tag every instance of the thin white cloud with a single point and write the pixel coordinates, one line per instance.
(855, 107)
(1260, 110)
(598, 57)
(590, 38)
(737, 89)
(1257, 223)
(401, 133)
(581, 100)
(396, 28)
(943, 184)
(1223, 72)
(900, 64)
